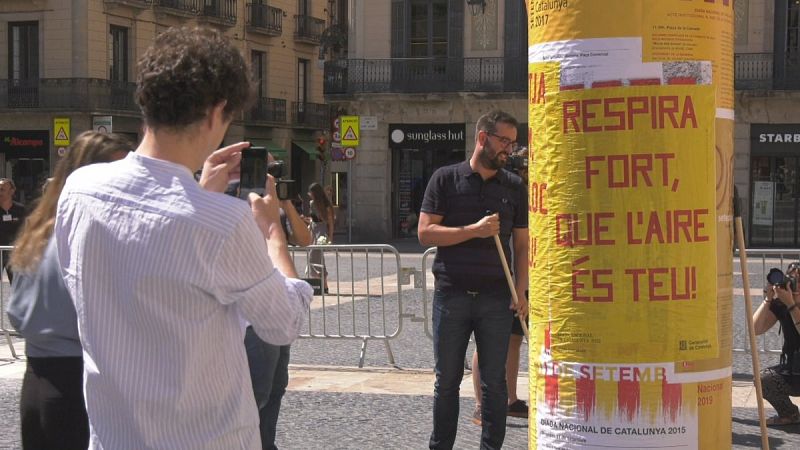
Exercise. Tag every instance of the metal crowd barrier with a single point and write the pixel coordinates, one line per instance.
(428, 253)
(769, 343)
(5, 291)
(363, 300)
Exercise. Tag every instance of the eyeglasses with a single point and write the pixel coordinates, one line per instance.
(507, 143)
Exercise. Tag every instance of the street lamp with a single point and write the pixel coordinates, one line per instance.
(477, 6)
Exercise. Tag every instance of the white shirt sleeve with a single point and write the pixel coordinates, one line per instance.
(272, 303)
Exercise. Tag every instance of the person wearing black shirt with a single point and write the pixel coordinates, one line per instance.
(268, 363)
(13, 215)
(778, 383)
(464, 207)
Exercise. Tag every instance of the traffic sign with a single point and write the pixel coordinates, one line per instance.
(61, 131)
(349, 153)
(369, 122)
(102, 124)
(351, 132)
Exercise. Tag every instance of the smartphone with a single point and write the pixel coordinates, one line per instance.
(253, 171)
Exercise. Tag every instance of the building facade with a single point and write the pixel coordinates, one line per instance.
(419, 73)
(67, 66)
(767, 133)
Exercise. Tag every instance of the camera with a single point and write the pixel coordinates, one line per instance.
(284, 187)
(276, 169)
(776, 277)
(254, 170)
(517, 162)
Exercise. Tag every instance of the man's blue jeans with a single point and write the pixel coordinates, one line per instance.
(269, 372)
(456, 314)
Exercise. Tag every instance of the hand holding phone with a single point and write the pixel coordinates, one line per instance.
(256, 164)
(221, 167)
(253, 174)
(266, 211)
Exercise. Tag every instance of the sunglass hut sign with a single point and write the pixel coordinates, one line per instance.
(427, 136)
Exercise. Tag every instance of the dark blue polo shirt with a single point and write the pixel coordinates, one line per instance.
(462, 197)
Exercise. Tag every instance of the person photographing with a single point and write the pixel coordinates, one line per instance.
(164, 270)
(782, 305)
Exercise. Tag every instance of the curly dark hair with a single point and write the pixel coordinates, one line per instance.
(185, 72)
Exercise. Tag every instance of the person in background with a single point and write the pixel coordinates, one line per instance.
(321, 223)
(782, 305)
(269, 364)
(516, 406)
(13, 215)
(464, 207)
(164, 271)
(52, 413)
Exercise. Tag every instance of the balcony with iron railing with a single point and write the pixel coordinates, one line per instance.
(266, 109)
(71, 94)
(221, 12)
(141, 4)
(183, 8)
(416, 75)
(753, 71)
(308, 29)
(760, 71)
(311, 115)
(264, 19)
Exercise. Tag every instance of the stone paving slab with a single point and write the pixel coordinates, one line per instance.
(331, 404)
(349, 421)
(378, 381)
(350, 408)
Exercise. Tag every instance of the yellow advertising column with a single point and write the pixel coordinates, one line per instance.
(631, 139)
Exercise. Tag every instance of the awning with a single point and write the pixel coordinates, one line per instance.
(310, 147)
(277, 151)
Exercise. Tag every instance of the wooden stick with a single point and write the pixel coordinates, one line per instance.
(750, 328)
(510, 281)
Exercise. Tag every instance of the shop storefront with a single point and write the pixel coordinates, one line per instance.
(775, 185)
(417, 151)
(25, 158)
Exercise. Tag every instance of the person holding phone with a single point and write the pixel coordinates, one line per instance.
(163, 270)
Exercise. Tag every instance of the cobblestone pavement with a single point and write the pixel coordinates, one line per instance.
(344, 421)
(398, 420)
(9, 413)
(747, 434)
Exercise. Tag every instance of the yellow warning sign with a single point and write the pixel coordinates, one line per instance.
(61, 131)
(350, 134)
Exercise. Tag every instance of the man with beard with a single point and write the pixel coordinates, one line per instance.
(465, 205)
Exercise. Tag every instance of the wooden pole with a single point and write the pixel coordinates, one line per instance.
(522, 320)
(749, 316)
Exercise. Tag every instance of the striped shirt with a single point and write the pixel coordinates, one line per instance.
(163, 274)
